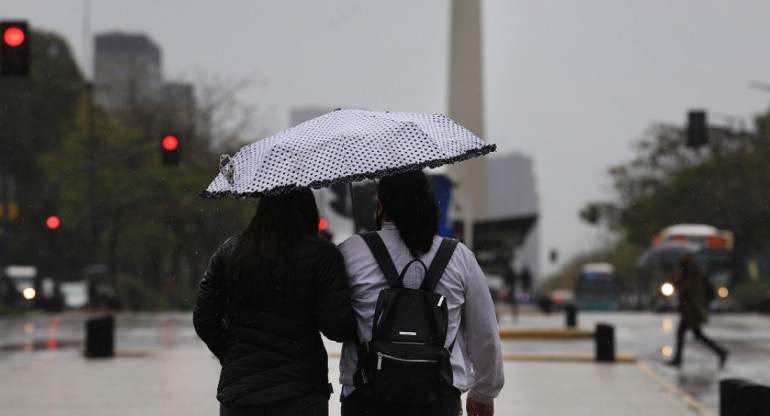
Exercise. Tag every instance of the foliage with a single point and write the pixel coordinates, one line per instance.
(38, 111)
(720, 184)
(751, 294)
(119, 206)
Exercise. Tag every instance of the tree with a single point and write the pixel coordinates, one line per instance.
(151, 231)
(720, 184)
(36, 112)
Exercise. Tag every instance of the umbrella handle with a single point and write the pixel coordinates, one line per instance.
(355, 209)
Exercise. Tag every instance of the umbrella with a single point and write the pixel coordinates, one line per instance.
(343, 146)
(666, 254)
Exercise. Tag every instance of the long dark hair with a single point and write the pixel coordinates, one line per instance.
(269, 244)
(408, 200)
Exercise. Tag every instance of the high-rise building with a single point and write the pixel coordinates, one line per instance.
(127, 74)
(512, 193)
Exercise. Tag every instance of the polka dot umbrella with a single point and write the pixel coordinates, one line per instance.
(343, 146)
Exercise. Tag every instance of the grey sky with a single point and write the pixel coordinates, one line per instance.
(569, 83)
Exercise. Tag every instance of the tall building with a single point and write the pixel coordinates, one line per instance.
(494, 197)
(513, 194)
(466, 98)
(127, 74)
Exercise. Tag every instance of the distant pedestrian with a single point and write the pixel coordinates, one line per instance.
(408, 218)
(693, 310)
(526, 282)
(262, 301)
(509, 280)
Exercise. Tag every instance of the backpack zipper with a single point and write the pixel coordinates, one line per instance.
(380, 356)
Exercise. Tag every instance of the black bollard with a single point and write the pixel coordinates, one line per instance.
(728, 396)
(100, 337)
(605, 343)
(571, 311)
(753, 399)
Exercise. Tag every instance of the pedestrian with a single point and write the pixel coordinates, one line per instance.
(526, 282)
(261, 303)
(408, 220)
(693, 310)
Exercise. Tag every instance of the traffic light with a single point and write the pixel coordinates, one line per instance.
(169, 148)
(53, 222)
(697, 132)
(14, 49)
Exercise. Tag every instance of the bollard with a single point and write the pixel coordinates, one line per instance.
(753, 399)
(571, 311)
(605, 343)
(728, 396)
(100, 337)
(739, 397)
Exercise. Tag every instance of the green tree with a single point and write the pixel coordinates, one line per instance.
(720, 184)
(36, 113)
(119, 206)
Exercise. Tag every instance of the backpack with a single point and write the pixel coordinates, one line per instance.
(406, 360)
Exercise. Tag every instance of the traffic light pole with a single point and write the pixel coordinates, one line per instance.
(93, 143)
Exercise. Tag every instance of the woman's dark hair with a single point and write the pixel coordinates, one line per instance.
(408, 200)
(263, 259)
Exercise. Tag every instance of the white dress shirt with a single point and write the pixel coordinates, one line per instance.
(477, 365)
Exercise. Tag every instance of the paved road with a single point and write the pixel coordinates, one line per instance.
(643, 335)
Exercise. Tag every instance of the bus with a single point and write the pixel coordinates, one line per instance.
(714, 257)
(598, 288)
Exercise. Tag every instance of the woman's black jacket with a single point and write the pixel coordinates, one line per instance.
(270, 348)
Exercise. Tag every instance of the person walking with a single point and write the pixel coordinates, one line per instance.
(693, 310)
(261, 303)
(408, 219)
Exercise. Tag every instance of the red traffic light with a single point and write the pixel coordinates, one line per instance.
(170, 143)
(323, 224)
(13, 36)
(53, 222)
(14, 49)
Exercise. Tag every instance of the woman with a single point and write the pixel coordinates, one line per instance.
(408, 218)
(262, 301)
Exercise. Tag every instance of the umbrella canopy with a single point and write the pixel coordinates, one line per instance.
(666, 254)
(343, 146)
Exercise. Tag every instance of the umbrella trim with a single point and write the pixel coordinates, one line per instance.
(470, 154)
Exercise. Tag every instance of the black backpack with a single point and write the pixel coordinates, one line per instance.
(406, 360)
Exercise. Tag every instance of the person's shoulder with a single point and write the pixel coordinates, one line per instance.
(461, 248)
(228, 244)
(317, 243)
(352, 241)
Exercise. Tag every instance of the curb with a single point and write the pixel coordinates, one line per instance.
(584, 358)
(546, 334)
(675, 390)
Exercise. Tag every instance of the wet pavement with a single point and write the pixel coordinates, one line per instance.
(162, 368)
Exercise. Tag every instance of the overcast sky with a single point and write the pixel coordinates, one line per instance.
(569, 83)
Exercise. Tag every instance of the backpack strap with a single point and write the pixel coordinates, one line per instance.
(377, 246)
(439, 263)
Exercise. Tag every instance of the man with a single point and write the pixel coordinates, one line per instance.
(693, 310)
(408, 217)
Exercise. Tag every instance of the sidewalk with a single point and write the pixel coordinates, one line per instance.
(183, 382)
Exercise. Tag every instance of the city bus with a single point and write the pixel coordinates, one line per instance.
(714, 256)
(598, 288)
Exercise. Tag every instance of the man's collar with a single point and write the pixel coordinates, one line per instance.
(386, 225)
